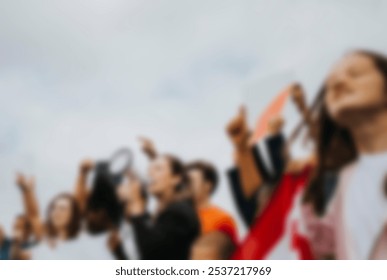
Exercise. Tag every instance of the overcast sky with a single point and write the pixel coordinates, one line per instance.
(82, 78)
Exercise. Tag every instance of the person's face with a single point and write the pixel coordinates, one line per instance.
(161, 178)
(202, 252)
(61, 212)
(199, 186)
(355, 86)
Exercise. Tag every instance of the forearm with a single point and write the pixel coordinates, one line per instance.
(33, 214)
(31, 204)
(250, 175)
(81, 191)
(119, 253)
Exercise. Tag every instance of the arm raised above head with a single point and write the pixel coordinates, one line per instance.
(81, 191)
(148, 147)
(31, 206)
(238, 132)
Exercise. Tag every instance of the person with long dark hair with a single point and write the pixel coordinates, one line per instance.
(122, 242)
(63, 219)
(351, 141)
(171, 230)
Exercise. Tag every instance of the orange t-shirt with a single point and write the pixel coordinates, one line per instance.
(213, 218)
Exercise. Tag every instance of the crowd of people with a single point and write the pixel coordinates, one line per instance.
(343, 201)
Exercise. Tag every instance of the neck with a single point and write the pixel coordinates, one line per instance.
(165, 198)
(62, 234)
(370, 133)
(203, 203)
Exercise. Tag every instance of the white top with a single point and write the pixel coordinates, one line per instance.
(85, 247)
(365, 205)
(263, 149)
(129, 241)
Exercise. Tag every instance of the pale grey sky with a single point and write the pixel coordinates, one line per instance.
(81, 78)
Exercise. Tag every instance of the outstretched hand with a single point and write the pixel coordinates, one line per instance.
(275, 125)
(237, 129)
(298, 97)
(86, 165)
(148, 147)
(25, 183)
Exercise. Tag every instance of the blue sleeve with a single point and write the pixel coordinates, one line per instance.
(5, 249)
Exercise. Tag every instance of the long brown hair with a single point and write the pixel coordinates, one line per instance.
(74, 225)
(335, 144)
(183, 189)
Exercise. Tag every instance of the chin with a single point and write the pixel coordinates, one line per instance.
(153, 190)
(348, 117)
(59, 225)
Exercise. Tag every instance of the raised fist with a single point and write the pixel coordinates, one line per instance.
(148, 147)
(298, 96)
(24, 183)
(86, 165)
(237, 129)
(275, 125)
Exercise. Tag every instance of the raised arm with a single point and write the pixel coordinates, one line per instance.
(298, 97)
(238, 132)
(116, 247)
(247, 207)
(81, 191)
(148, 147)
(299, 101)
(31, 206)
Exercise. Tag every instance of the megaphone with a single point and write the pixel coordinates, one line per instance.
(103, 208)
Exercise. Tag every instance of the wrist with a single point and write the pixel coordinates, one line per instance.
(136, 208)
(151, 154)
(26, 189)
(83, 172)
(242, 148)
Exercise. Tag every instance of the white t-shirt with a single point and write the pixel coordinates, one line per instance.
(129, 241)
(84, 247)
(365, 204)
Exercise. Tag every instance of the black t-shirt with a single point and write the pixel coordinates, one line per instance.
(170, 235)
